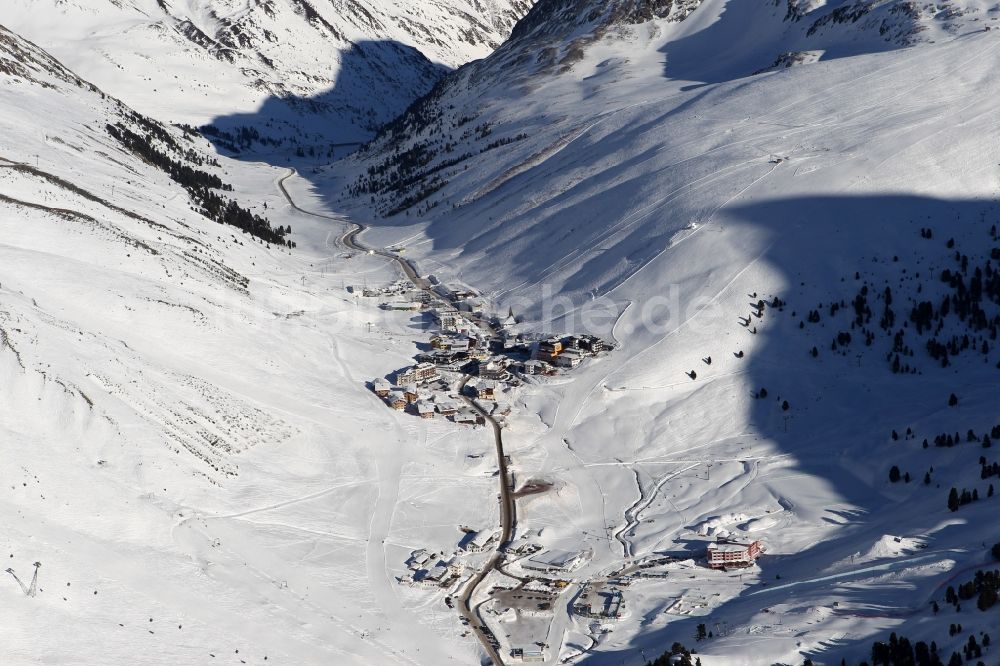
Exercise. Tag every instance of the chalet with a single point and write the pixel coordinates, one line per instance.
(425, 410)
(535, 367)
(437, 574)
(462, 294)
(452, 343)
(397, 400)
(419, 558)
(492, 369)
(443, 357)
(569, 358)
(480, 354)
(410, 393)
(473, 542)
(486, 389)
(465, 418)
(725, 553)
(421, 372)
(382, 388)
(446, 408)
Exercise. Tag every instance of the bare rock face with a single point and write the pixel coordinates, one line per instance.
(550, 17)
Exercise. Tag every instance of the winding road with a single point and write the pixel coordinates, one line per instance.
(507, 513)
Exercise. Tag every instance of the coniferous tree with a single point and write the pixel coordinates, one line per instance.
(953, 502)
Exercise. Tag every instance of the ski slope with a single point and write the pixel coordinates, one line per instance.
(196, 462)
(655, 210)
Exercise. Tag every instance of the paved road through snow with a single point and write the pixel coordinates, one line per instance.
(349, 240)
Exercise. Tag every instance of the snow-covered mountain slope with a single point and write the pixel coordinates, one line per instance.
(461, 122)
(178, 433)
(317, 71)
(653, 189)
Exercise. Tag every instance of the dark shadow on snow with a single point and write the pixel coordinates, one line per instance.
(845, 234)
(749, 37)
(837, 393)
(372, 83)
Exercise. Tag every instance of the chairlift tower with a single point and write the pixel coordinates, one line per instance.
(34, 581)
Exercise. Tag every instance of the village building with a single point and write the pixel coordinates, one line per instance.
(473, 542)
(419, 558)
(446, 408)
(465, 418)
(421, 372)
(453, 343)
(443, 357)
(472, 306)
(507, 323)
(535, 367)
(447, 318)
(411, 394)
(437, 574)
(531, 654)
(382, 387)
(397, 400)
(486, 389)
(480, 354)
(425, 409)
(591, 343)
(549, 350)
(492, 369)
(554, 561)
(726, 553)
(601, 605)
(402, 306)
(569, 358)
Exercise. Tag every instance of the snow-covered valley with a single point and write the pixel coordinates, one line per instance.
(195, 457)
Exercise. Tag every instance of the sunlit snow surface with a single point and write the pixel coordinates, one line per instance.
(209, 461)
